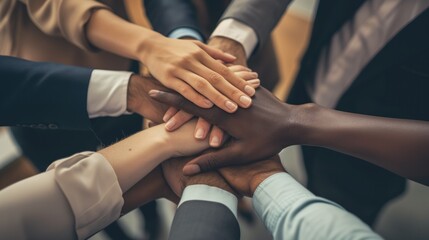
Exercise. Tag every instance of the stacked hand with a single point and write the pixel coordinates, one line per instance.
(257, 133)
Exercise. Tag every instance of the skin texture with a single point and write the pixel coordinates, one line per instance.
(188, 67)
(203, 127)
(270, 125)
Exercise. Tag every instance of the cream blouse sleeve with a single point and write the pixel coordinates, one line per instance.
(65, 18)
(73, 199)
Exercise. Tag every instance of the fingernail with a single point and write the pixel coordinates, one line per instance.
(208, 103)
(153, 92)
(230, 105)
(170, 124)
(230, 55)
(255, 74)
(191, 169)
(167, 117)
(215, 142)
(246, 100)
(254, 81)
(249, 90)
(199, 134)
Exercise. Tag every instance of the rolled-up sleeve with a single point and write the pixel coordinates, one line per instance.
(75, 198)
(65, 18)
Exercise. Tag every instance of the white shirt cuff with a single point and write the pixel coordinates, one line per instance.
(208, 193)
(107, 93)
(238, 31)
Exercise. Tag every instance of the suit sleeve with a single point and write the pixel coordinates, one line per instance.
(43, 95)
(261, 16)
(64, 18)
(169, 15)
(197, 219)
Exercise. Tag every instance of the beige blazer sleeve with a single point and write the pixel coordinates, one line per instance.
(65, 18)
(73, 199)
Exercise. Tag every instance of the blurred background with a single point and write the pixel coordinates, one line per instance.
(406, 217)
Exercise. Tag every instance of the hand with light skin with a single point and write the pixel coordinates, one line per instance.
(230, 46)
(270, 125)
(175, 118)
(187, 67)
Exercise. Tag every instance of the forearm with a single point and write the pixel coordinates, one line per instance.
(397, 145)
(109, 32)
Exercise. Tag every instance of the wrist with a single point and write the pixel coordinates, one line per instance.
(211, 179)
(147, 44)
(256, 180)
(230, 46)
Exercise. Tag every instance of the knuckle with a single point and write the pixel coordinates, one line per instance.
(201, 84)
(215, 79)
(224, 71)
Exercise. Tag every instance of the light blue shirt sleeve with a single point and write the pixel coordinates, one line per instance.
(186, 32)
(290, 211)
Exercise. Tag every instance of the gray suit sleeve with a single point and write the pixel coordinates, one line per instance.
(204, 220)
(261, 15)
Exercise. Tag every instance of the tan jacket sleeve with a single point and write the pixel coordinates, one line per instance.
(65, 18)
(73, 199)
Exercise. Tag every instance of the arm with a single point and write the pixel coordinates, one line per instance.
(83, 193)
(208, 205)
(397, 145)
(290, 211)
(167, 16)
(43, 95)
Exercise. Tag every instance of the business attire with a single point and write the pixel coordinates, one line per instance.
(206, 212)
(364, 57)
(177, 18)
(290, 211)
(68, 201)
(54, 31)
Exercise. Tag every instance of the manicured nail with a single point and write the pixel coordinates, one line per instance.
(230, 55)
(208, 103)
(246, 100)
(230, 105)
(170, 124)
(191, 169)
(215, 142)
(249, 90)
(255, 74)
(254, 81)
(199, 134)
(167, 116)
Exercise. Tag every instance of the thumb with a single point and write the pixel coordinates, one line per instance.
(216, 53)
(213, 160)
(179, 102)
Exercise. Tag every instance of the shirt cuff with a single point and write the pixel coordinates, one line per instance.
(186, 32)
(277, 194)
(107, 93)
(208, 193)
(238, 31)
(92, 190)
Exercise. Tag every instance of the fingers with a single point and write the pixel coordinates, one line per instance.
(171, 111)
(254, 83)
(189, 93)
(213, 160)
(204, 87)
(177, 120)
(177, 101)
(216, 137)
(216, 53)
(201, 129)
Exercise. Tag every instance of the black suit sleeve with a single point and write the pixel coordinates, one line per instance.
(43, 95)
(204, 220)
(169, 15)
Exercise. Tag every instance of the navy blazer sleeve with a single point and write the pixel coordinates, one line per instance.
(169, 15)
(43, 95)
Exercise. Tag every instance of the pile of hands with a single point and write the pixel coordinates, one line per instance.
(238, 119)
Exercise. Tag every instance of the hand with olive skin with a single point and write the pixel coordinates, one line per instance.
(257, 133)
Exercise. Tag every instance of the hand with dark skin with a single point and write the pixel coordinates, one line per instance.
(245, 179)
(400, 146)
